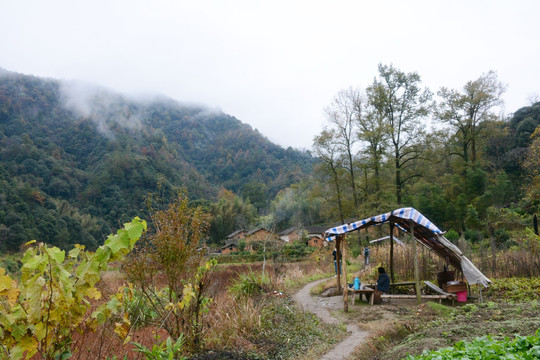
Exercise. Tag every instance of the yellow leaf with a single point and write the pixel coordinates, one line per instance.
(5, 281)
(30, 344)
(8, 288)
(121, 329)
(41, 331)
(93, 293)
(13, 296)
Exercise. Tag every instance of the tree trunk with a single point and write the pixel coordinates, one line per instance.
(338, 190)
(493, 251)
(398, 182)
(353, 185)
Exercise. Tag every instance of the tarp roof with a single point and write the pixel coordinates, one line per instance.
(425, 232)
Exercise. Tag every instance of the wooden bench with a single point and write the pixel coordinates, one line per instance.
(441, 295)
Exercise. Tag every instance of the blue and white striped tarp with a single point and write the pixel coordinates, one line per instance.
(403, 213)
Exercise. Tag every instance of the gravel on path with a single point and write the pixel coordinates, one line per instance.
(322, 307)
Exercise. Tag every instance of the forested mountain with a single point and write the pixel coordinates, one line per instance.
(76, 161)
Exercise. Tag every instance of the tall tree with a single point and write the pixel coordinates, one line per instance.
(531, 165)
(229, 214)
(326, 149)
(404, 103)
(465, 110)
(341, 114)
(373, 131)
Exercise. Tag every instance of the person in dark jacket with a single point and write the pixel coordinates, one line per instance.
(383, 282)
(366, 255)
(334, 254)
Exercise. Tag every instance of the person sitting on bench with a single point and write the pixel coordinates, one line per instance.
(383, 282)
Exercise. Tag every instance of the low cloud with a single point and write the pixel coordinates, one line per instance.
(104, 107)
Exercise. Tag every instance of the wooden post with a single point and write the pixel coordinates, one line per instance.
(345, 285)
(338, 261)
(392, 280)
(416, 271)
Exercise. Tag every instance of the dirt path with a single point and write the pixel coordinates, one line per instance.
(321, 307)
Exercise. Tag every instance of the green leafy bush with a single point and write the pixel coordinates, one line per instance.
(41, 312)
(515, 289)
(452, 235)
(521, 347)
(165, 351)
(249, 284)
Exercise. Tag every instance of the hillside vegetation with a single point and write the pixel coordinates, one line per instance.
(76, 161)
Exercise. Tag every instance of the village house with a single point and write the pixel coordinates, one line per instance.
(237, 235)
(315, 236)
(230, 247)
(290, 235)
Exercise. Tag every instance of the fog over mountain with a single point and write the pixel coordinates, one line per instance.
(95, 154)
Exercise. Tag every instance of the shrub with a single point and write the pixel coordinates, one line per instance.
(249, 284)
(168, 270)
(41, 313)
(452, 235)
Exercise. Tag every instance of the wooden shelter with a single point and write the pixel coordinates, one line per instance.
(420, 229)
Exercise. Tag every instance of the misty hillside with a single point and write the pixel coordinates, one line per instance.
(76, 161)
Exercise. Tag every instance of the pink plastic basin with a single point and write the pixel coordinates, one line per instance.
(461, 296)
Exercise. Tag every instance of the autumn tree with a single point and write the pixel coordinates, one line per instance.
(341, 116)
(465, 110)
(172, 254)
(373, 133)
(327, 151)
(531, 165)
(398, 96)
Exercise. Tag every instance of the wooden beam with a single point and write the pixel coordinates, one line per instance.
(338, 263)
(416, 270)
(345, 285)
(392, 251)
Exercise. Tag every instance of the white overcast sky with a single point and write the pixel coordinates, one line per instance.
(272, 64)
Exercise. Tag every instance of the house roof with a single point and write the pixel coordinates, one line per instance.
(425, 232)
(288, 231)
(234, 233)
(257, 230)
(229, 245)
(314, 229)
(231, 242)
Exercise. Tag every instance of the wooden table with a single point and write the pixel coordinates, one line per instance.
(367, 291)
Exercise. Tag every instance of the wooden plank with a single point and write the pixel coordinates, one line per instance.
(416, 269)
(435, 288)
(366, 291)
(345, 284)
(402, 296)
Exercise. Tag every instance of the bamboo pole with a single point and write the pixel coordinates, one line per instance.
(416, 271)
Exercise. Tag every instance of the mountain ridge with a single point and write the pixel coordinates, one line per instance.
(103, 152)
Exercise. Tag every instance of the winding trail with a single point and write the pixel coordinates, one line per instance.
(321, 307)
